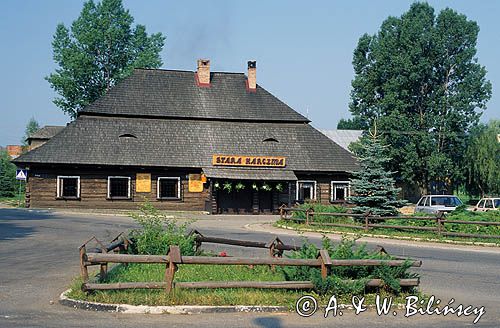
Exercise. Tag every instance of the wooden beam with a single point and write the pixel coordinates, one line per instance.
(232, 284)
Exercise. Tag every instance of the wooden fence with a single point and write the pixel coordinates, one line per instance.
(174, 258)
(368, 222)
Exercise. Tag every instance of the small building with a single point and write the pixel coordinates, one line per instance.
(343, 138)
(184, 140)
(43, 135)
(14, 151)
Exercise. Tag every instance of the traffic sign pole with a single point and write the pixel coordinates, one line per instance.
(19, 200)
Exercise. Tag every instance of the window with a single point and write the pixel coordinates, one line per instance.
(169, 188)
(497, 203)
(118, 187)
(481, 204)
(68, 187)
(447, 201)
(340, 190)
(488, 204)
(306, 190)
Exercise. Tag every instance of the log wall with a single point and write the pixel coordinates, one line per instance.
(42, 189)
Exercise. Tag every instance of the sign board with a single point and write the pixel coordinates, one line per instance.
(21, 174)
(195, 183)
(143, 182)
(498, 138)
(255, 161)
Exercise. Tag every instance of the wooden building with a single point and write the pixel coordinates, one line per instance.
(186, 140)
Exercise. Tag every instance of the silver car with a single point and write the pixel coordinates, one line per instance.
(434, 204)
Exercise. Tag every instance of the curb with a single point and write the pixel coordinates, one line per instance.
(175, 309)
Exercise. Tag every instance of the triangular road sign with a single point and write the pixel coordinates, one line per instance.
(21, 174)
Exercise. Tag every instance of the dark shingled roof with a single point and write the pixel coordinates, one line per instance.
(167, 93)
(46, 132)
(187, 143)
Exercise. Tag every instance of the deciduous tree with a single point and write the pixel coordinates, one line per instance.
(99, 49)
(420, 78)
(31, 127)
(482, 160)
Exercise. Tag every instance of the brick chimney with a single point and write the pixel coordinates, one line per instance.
(252, 76)
(203, 73)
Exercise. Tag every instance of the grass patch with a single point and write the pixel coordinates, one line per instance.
(215, 297)
(13, 201)
(460, 215)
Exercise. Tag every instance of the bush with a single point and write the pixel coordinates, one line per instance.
(348, 279)
(157, 233)
(319, 208)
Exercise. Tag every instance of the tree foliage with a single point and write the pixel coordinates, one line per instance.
(99, 49)
(355, 123)
(420, 79)
(7, 176)
(373, 184)
(31, 127)
(482, 160)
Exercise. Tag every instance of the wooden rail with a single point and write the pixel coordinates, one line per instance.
(174, 258)
(368, 219)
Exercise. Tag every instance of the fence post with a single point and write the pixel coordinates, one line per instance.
(307, 217)
(311, 214)
(440, 226)
(83, 268)
(174, 254)
(273, 251)
(326, 262)
(366, 214)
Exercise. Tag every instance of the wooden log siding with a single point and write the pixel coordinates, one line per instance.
(94, 188)
(440, 219)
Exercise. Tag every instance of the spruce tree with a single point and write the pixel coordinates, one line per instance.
(373, 184)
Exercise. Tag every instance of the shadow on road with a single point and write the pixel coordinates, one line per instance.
(9, 231)
(13, 230)
(268, 322)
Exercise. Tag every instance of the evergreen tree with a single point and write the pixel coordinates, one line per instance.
(373, 185)
(7, 176)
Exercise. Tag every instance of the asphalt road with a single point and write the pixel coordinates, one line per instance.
(39, 258)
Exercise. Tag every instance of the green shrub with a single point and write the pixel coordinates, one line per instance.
(157, 233)
(319, 208)
(345, 279)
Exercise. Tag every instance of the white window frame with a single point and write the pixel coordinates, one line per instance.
(109, 186)
(333, 191)
(178, 188)
(314, 182)
(59, 190)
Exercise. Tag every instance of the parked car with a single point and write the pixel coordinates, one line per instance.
(434, 204)
(487, 204)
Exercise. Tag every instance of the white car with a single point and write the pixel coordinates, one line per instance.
(434, 204)
(488, 204)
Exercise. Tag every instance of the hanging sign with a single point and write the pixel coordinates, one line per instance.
(143, 182)
(256, 161)
(195, 183)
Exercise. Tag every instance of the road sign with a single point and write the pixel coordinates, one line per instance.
(21, 174)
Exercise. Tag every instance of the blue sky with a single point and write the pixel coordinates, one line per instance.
(303, 48)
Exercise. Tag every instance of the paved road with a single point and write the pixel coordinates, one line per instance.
(38, 259)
